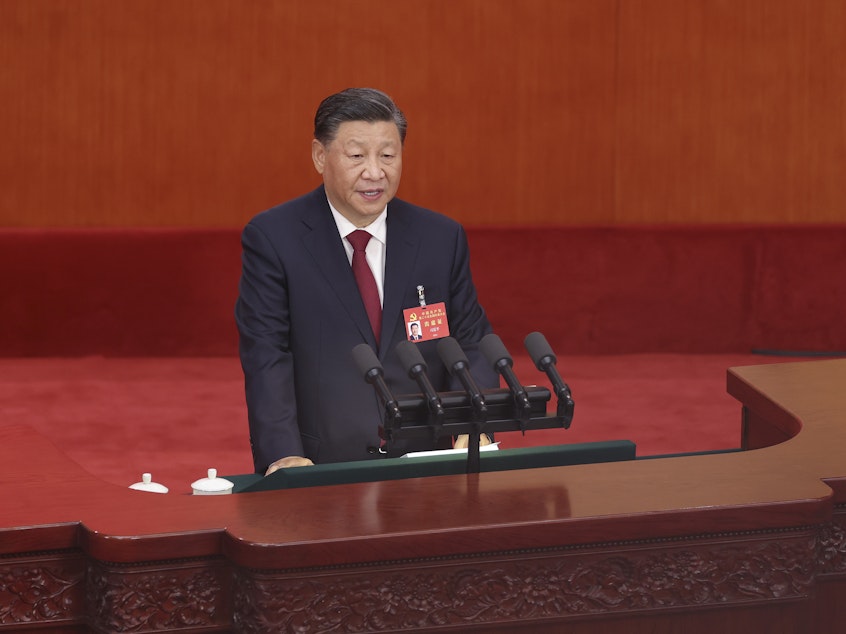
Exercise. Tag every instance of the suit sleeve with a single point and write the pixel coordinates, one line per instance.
(467, 320)
(263, 318)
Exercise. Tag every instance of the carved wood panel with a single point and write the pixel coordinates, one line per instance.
(164, 597)
(832, 544)
(42, 588)
(650, 577)
(530, 587)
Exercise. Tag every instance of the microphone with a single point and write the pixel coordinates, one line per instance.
(497, 355)
(414, 364)
(367, 363)
(457, 363)
(544, 359)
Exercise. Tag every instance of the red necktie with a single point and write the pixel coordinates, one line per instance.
(365, 280)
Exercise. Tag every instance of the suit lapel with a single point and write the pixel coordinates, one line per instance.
(324, 245)
(402, 249)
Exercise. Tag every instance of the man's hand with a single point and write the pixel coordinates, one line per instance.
(463, 440)
(288, 461)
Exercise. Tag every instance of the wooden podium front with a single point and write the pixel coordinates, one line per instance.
(752, 541)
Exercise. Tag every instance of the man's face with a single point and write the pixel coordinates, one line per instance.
(361, 168)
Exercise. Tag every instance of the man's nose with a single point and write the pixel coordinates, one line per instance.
(372, 168)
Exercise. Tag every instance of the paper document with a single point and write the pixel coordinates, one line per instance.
(445, 452)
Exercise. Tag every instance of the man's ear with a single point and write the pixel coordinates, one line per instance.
(318, 155)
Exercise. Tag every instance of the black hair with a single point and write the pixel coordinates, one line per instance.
(356, 104)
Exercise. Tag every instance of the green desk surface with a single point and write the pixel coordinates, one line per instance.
(451, 464)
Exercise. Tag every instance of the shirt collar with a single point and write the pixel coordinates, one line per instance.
(378, 228)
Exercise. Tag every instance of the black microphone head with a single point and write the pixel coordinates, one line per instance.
(366, 360)
(495, 351)
(410, 357)
(451, 354)
(539, 350)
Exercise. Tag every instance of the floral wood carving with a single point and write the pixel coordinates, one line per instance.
(515, 589)
(128, 599)
(41, 590)
(832, 544)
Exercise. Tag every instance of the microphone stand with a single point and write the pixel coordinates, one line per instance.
(431, 413)
(459, 417)
(474, 458)
(457, 363)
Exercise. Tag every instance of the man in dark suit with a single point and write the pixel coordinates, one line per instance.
(300, 311)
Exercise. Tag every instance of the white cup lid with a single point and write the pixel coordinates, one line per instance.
(212, 484)
(147, 484)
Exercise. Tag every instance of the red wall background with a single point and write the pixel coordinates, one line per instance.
(197, 113)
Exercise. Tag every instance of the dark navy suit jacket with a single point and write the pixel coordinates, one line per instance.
(299, 315)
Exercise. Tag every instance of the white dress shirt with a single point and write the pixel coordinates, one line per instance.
(375, 250)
